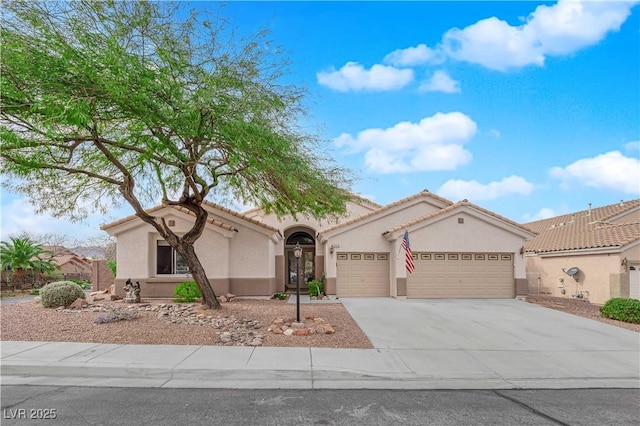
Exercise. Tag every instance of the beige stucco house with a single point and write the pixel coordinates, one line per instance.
(459, 250)
(601, 245)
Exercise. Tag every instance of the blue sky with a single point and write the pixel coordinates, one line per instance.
(528, 109)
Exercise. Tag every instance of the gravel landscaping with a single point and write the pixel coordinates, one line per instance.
(579, 307)
(243, 322)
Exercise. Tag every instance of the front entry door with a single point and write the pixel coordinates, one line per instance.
(307, 268)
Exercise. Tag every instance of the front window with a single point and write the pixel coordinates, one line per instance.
(169, 261)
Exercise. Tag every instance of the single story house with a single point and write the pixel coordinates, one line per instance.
(458, 249)
(72, 265)
(592, 254)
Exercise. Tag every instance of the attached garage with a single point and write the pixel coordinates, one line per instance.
(462, 275)
(362, 274)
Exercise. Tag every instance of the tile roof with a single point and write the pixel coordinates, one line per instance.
(586, 229)
(185, 210)
(423, 193)
(451, 208)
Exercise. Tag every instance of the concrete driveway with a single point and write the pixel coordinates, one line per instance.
(508, 338)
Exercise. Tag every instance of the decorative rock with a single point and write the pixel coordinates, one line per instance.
(301, 332)
(222, 299)
(79, 303)
(256, 342)
(115, 297)
(288, 332)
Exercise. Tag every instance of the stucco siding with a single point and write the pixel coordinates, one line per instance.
(594, 278)
(132, 256)
(213, 251)
(473, 235)
(251, 255)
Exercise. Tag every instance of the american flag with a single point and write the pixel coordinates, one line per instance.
(408, 255)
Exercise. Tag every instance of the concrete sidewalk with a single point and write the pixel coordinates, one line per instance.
(110, 365)
(419, 344)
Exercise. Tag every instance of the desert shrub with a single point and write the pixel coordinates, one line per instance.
(315, 288)
(115, 314)
(627, 310)
(60, 293)
(187, 292)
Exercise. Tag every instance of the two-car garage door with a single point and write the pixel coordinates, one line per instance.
(461, 275)
(437, 275)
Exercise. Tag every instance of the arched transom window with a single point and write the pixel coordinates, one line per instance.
(300, 237)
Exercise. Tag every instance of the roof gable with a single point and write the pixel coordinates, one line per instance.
(465, 205)
(216, 211)
(423, 196)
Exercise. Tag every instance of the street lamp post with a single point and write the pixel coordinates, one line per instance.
(297, 251)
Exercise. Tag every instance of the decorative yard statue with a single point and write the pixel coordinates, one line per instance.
(133, 291)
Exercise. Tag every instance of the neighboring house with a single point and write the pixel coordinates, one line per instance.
(602, 245)
(71, 264)
(459, 250)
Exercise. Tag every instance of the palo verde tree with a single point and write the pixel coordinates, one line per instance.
(142, 101)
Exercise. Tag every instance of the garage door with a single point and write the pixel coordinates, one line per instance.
(462, 275)
(362, 274)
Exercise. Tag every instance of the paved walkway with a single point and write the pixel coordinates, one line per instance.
(464, 345)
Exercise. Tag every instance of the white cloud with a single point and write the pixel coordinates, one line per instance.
(475, 191)
(440, 82)
(18, 216)
(434, 143)
(632, 146)
(421, 54)
(546, 213)
(612, 171)
(354, 77)
(559, 29)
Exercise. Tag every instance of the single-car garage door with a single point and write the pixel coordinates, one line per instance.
(362, 274)
(461, 275)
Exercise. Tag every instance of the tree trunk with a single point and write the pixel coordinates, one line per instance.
(188, 253)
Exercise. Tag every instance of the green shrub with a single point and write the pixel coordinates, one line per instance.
(627, 310)
(115, 314)
(34, 292)
(60, 293)
(279, 296)
(82, 283)
(111, 264)
(315, 288)
(187, 292)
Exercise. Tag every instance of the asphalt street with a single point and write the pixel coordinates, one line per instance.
(64, 405)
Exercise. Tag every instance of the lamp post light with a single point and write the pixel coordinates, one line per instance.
(297, 251)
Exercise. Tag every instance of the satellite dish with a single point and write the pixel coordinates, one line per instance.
(571, 271)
